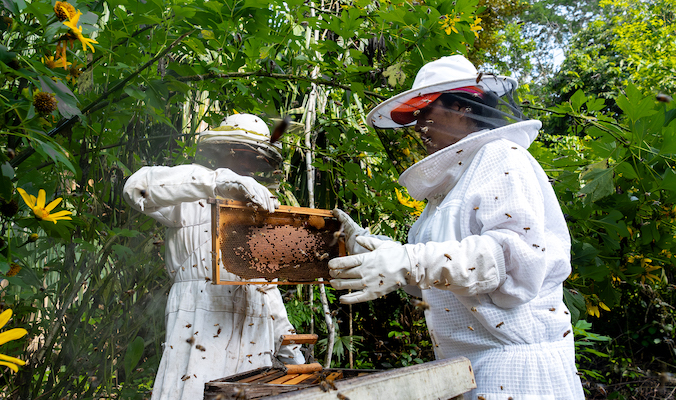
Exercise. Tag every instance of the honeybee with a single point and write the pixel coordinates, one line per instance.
(448, 256)
(499, 325)
(185, 377)
(342, 396)
(200, 347)
(566, 333)
(420, 304)
(188, 326)
(552, 309)
(508, 216)
(470, 328)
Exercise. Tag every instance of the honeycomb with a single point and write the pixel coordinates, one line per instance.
(292, 245)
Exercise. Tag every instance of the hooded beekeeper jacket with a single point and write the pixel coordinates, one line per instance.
(493, 250)
(213, 331)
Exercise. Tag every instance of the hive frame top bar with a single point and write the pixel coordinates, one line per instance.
(281, 209)
(217, 204)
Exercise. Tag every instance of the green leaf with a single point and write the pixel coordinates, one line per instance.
(133, 355)
(599, 181)
(577, 100)
(47, 150)
(626, 170)
(15, 6)
(635, 105)
(67, 102)
(575, 303)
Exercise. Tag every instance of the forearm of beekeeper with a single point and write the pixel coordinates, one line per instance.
(505, 260)
(153, 188)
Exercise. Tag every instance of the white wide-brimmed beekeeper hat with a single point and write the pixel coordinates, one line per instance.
(243, 128)
(242, 144)
(450, 74)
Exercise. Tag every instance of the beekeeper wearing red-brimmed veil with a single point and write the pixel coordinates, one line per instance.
(491, 249)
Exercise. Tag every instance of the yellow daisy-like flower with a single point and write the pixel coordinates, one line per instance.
(476, 27)
(51, 63)
(72, 24)
(593, 310)
(448, 24)
(63, 10)
(40, 210)
(12, 334)
(417, 206)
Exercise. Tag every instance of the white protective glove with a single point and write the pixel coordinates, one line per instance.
(472, 266)
(383, 270)
(352, 231)
(229, 184)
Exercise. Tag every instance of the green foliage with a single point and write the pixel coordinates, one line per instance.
(91, 291)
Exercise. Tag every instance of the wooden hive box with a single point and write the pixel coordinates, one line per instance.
(292, 245)
(441, 379)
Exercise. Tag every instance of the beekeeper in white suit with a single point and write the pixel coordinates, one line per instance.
(213, 331)
(491, 249)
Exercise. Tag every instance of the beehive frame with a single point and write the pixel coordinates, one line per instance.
(292, 245)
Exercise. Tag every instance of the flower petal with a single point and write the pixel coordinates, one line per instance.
(5, 316)
(12, 359)
(26, 198)
(42, 196)
(10, 365)
(12, 334)
(53, 204)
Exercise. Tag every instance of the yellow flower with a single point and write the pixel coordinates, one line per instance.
(476, 27)
(448, 24)
(72, 24)
(593, 310)
(63, 10)
(39, 209)
(51, 63)
(417, 206)
(74, 72)
(12, 334)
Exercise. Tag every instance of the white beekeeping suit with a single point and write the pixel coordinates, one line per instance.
(213, 331)
(491, 249)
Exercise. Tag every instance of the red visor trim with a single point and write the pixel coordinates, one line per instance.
(403, 114)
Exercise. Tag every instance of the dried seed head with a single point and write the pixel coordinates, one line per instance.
(44, 103)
